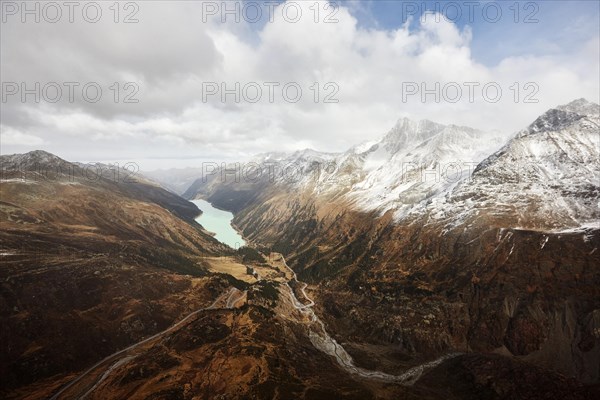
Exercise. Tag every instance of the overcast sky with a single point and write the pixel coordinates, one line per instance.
(371, 58)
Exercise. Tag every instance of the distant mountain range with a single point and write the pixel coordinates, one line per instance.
(444, 218)
(426, 167)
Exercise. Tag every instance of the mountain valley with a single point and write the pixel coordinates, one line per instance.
(436, 263)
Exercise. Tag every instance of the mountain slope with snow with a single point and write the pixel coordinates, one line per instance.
(417, 161)
(546, 177)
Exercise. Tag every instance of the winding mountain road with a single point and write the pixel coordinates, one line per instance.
(328, 345)
(111, 362)
(80, 388)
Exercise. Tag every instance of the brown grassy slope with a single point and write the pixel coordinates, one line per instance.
(89, 266)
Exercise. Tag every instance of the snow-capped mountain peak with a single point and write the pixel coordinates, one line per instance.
(562, 116)
(582, 107)
(407, 132)
(551, 168)
(32, 160)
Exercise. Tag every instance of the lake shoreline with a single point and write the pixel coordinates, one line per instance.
(219, 223)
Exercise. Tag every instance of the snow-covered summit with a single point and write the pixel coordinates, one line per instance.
(414, 161)
(546, 177)
(31, 161)
(582, 107)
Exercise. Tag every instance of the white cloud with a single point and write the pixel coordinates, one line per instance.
(170, 53)
(11, 136)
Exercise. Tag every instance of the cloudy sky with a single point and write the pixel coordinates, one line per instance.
(156, 82)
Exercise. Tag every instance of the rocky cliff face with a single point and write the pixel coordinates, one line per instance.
(501, 257)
